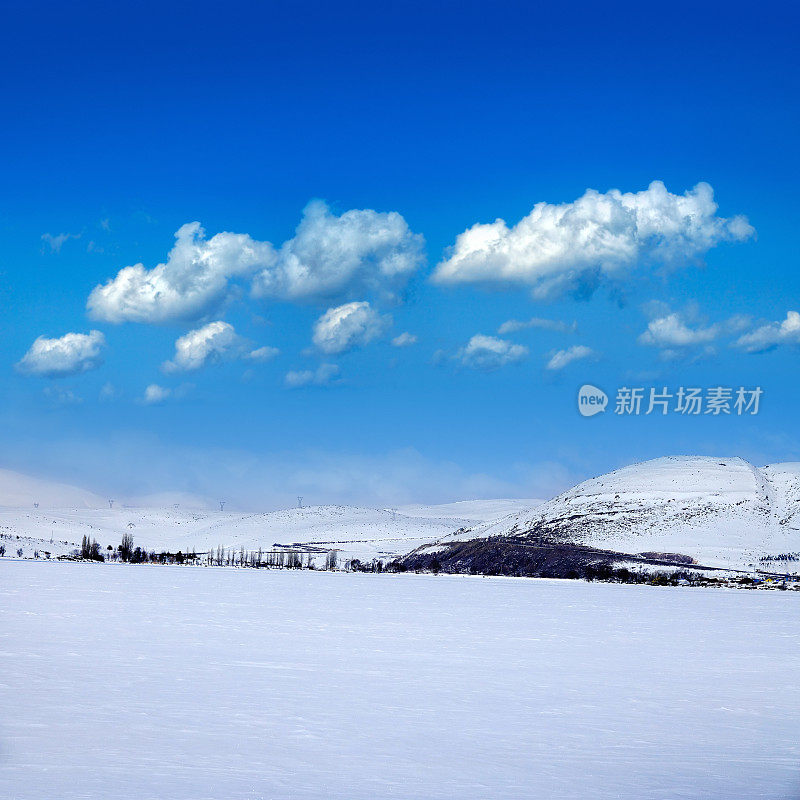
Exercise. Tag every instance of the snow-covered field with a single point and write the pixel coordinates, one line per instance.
(192, 683)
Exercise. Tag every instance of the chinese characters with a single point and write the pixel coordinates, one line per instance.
(688, 401)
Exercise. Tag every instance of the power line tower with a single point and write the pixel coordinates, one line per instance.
(111, 503)
(221, 505)
(299, 501)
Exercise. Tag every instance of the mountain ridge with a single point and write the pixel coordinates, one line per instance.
(721, 512)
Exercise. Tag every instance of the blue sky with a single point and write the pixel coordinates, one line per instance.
(413, 125)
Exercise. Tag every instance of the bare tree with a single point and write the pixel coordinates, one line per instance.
(126, 547)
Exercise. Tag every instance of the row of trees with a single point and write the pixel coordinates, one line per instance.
(275, 559)
(221, 556)
(91, 550)
(376, 565)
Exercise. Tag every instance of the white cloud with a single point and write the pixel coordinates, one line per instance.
(155, 394)
(572, 247)
(323, 375)
(361, 252)
(345, 327)
(680, 333)
(263, 354)
(56, 241)
(772, 334)
(213, 344)
(561, 358)
(405, 339)
(515, 325)
(73, 353)
(490, 353)
(672, 331)
(193, 282)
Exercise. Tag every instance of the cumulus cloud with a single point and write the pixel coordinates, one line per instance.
(192, 282)
(769, 336)
(362, 252)
(489, 353)
(72, 354)
(345, 327)
(155, 394)
(680, 333)
(405, 339)
(573, 247)
(515, 325)
(212, 344)
(672, 331)
(323, 375)
(263, 354)
(561, 358)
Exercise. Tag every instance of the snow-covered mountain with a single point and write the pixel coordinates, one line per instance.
(719, 511)
(363, 533)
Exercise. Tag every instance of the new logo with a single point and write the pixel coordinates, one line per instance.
(591, 400)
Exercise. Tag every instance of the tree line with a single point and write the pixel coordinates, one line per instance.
(220, 556)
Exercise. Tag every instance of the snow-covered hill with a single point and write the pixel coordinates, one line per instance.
(720, 511)
(37, 515)
(363, 533)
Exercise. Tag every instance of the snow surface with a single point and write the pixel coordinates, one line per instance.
(721, 511)
(147, 682)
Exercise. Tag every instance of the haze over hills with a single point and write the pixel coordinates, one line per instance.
(721, 512)
(18, 490)
(23, 491)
